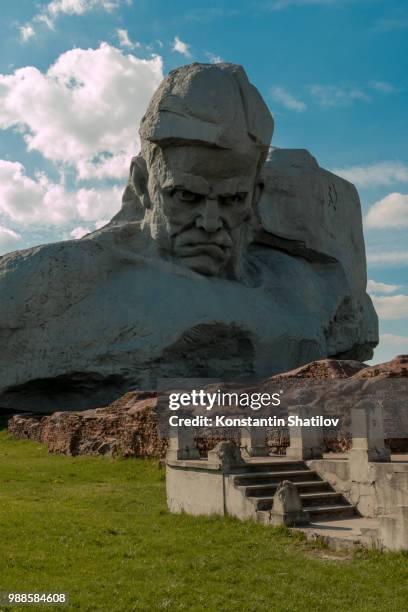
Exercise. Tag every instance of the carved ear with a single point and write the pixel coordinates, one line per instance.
(136, 188)
(258, 189)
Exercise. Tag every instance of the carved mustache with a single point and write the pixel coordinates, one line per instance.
(195, 241)
(194, 235)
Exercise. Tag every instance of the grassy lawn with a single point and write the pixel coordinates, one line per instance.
(99, 530)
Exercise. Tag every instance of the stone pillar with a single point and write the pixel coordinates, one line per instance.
(305, 442)
(367, 428)
(253, 442)
(181, 444)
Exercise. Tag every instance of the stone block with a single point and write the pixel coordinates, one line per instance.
(253, 442)
(224, 456)
(305, 442)
(182, 444)
(367, 425)
(393, 530)
(287, 506)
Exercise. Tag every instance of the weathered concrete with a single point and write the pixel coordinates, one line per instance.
(305, 442)
(224, 456)
(287, 507)
(181, 444)
(195, 491)
(393, 529)
(267, 286)
(367, 422)
(345, 533)
(378, 490)
(253, 441)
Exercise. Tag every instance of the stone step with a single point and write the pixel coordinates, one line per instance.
(327, 512)
(275, 477)
(309, 486)
(309, 500)
(274, 466)
(323, 511)
(320, 498)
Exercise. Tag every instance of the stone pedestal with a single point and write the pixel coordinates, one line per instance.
(305, 442)
(287, 507)
(368, 432)
(253, 442)
(181, 444)
(224, 456)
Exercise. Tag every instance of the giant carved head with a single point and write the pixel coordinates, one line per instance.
(204, 139)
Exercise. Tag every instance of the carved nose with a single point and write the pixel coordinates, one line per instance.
(209, 220)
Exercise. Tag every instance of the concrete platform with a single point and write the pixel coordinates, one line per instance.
(400, 458)
(345, 533)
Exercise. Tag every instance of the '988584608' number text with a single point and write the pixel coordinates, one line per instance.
(33, 598)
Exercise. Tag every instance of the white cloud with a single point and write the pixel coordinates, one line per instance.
(395, 340)
(391, 306)
(39, 201)
(389, 346)
(278, 5)
(391, 211)
(283, 97)
(383, 86)
(375, 175)
(79, 232)
(376, 287)
(26, 32)
(214, 59)
(181, 47)
(206, 15)
(106, 166)
(124, 40)
(51, 11)
(101, 222)
(79, 7)
(9, 240)
(387, 258)
(93, 204)
(84, 110)
(330, 95)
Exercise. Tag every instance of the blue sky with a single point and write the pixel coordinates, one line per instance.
(76, 75)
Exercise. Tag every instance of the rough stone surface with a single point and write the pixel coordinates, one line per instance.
(396, 368)
(225, 454)
(220, 264)
(377, 489)
(131, 421)
(287, 508)
(127, 427)
(393, 529)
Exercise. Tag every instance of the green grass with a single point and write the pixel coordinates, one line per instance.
(99, 530)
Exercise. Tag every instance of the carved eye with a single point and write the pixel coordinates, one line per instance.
(188, 196)
(236, 198)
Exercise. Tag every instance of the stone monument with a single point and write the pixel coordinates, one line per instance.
(228, 259)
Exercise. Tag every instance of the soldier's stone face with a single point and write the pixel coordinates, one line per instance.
(201, 198)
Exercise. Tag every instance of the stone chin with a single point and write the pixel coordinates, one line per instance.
(208, 258)
(204, 263)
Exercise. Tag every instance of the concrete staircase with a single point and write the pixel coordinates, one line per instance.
(259, 482)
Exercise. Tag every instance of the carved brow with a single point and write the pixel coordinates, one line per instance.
(179, 187)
